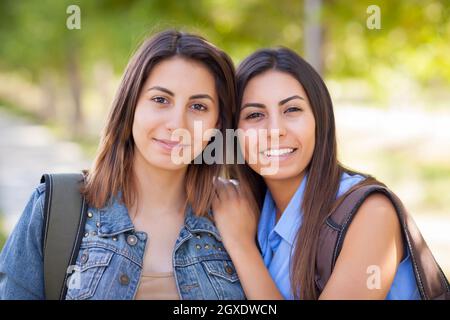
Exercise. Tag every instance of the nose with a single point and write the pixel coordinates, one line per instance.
(276, 126)
(176, 118)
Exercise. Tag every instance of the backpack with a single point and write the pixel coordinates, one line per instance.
(64, 221)
(431, 281)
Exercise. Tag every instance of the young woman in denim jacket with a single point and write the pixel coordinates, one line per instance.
(278, 90)
(148, 233)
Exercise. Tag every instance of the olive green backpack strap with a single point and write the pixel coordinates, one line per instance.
(64, 220)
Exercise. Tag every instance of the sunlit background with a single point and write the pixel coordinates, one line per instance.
(389, 83)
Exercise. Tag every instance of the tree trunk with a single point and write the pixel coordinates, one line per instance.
(313, 34)
(75, 87)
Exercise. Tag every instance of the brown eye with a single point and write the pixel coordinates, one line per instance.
(293, 109)
(160, 100)
(253, 115)
(198, 107)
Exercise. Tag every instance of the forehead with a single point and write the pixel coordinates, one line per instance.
(272, 85)
(182, 74)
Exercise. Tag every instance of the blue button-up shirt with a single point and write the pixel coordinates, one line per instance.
(277, 240)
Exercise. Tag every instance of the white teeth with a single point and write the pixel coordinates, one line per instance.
(277, 152)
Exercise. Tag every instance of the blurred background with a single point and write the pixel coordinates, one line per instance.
(386, 64)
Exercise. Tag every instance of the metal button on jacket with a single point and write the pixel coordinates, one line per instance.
(84, 258)
(229, 270)
(124, 279)
(132, 240)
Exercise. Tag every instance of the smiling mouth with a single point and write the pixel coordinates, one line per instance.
(278, 152)
(168, 144)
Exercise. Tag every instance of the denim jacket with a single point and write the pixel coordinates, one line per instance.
(110, 258)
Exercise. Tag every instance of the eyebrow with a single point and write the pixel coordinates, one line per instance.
(195, 96)
(289, 99)
(260, 105)
(170, 93)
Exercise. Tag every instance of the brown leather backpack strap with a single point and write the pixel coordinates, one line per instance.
(431, 281)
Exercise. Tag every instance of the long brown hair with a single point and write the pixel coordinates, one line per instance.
(324, 170)
(112, 170)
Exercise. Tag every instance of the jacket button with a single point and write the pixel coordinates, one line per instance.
(198, 247)
(132, 240)
(124, 280)
(206, 246)
(84, 258)
(114, 238)
(90, 214)
(229, 270)
(98, 224)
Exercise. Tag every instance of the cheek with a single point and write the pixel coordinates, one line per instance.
(201, 130)
(143, 123)
(249, 144)
(307, 137)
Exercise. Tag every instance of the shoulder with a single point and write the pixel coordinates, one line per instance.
(377, 227)
(24, 248)
(40, 189)
(348, 181)
(376, 217)
(376, 207)
(37, 201)
(373, 240)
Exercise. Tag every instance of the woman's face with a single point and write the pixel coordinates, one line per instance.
(276, 106)
(178, 94)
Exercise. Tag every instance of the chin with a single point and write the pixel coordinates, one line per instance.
(282, 173)
(164, 163)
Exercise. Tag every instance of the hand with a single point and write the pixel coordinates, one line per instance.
(234, 215)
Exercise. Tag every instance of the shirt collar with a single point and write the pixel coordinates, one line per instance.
(289, 222)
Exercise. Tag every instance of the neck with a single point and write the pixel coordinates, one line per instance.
(159, 191)
(283, 190)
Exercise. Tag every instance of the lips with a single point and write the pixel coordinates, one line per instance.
(279, 152)
(169, 144)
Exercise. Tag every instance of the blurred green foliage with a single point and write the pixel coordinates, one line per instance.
(413, 39)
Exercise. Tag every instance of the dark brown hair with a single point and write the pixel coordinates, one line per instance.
(324, 170)
(112, 170)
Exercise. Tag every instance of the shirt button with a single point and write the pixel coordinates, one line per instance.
(84, 258)
(124, 279)
(132, 240)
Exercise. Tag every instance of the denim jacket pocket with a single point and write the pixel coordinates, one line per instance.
(90, 266)
(224, 279)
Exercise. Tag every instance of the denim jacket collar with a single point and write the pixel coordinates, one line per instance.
(115, 219)
(201, 224)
